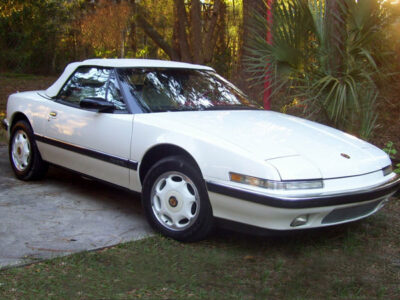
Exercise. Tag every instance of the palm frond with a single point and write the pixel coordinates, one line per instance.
(301, 60)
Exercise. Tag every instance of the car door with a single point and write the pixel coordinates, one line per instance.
(86, 140)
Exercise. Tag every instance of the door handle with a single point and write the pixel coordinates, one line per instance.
(52, 115)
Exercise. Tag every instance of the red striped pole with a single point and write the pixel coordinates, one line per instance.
(267, 83)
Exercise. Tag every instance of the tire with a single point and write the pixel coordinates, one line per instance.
(24, 155)
(175, 200)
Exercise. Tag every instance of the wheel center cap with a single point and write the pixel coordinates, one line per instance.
(173, 201)
(19, 151)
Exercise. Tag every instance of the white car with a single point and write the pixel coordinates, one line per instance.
(196, 148)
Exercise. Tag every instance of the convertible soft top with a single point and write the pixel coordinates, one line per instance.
(118, 63)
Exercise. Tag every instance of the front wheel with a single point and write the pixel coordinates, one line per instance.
(175, 200)
(24, 155)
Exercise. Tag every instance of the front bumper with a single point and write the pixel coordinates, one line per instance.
(279, 213)
(5, 124)
(386, 189)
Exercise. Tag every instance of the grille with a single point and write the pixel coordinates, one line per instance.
(348, 213)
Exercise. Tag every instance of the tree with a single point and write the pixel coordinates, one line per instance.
(196, 30)
(28, 36)
(106, 28)
(251, 8)
(42, 36)
(329, 63)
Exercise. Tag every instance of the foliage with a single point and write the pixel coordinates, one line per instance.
(106, 28)
(330, 57)
(391, 150)
(397, 169)
(42, 36)
(28, 36)
(199, 31)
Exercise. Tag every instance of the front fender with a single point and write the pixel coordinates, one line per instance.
(215, 157)
(28, 105)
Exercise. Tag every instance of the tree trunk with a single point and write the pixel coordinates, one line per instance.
(210, 39)
(132, 37)
(196, 36)
(123, 36)
(181, 16)
(336, 30)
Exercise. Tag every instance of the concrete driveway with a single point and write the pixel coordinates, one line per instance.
(62, 214)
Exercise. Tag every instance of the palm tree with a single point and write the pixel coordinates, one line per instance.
(326, 54)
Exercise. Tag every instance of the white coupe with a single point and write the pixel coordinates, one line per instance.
(196, 148)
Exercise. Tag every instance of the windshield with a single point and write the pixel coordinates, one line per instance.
(159, 90)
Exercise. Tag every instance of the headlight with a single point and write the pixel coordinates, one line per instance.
(277, 185)
(387, 170)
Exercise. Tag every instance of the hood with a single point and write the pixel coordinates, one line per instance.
(272, 136)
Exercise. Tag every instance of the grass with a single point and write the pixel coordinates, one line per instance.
(355, 261)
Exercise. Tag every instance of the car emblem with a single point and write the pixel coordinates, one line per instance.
(345, 155)
(173, 201)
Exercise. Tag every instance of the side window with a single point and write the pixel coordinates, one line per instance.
(90, 82)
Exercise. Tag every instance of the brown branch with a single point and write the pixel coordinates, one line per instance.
(154, 35)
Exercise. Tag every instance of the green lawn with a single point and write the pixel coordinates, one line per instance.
(356, 261)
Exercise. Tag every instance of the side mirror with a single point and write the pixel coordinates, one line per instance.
(101, 104)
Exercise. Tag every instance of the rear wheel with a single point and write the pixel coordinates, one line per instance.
(25, 158)
(176, 201)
